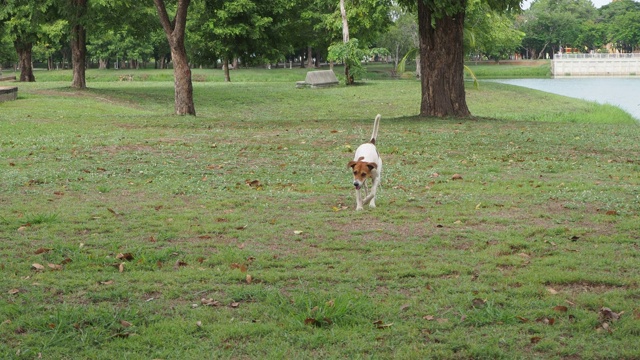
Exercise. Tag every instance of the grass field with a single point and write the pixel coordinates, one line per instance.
(127, 232)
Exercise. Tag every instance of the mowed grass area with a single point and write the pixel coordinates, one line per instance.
(127, 232)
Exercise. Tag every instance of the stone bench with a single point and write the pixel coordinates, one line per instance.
(320, 78)
(8, 93)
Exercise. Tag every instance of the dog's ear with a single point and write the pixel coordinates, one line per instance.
(351, 164)
(372, 166)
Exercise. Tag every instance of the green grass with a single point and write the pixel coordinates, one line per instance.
(148, 214)
(522, 69)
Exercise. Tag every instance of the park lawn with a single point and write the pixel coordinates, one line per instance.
(127, 232)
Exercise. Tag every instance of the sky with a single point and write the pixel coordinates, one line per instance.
(596, 3)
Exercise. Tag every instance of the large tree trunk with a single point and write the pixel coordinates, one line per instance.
(79, 46)
(175, 31)
(182, 80)
(24, 53)
(442, 64)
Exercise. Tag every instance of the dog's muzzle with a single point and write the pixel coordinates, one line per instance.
(357, 184)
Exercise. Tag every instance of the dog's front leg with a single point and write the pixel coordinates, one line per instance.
(371, 198)
(358, 200)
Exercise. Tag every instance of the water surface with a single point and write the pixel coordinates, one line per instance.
(621, 92)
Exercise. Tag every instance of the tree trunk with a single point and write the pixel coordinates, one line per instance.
(24, 53)
(442, 64)
(309, 57)
(175, 31)
(225, 68)
(182, 79)
(79, 46)
(349, 80)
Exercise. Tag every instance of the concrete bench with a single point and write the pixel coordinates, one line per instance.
(8, 93)
(320, 78)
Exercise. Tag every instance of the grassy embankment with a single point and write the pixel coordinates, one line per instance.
(233, 234)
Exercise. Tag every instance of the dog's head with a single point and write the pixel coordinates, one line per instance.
(361, 171)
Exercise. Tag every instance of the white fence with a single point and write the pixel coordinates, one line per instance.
(596, 65)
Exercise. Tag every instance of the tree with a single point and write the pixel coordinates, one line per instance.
(621, 24)
(402, 36)
(552, 24)
(248, 29)
(7, 52)
(121, 31)
(490, 33)
(23, 20)
(175, 32)
(441, 33)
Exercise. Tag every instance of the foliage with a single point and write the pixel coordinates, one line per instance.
(353, 55)
(490, 33)
(402, 35)
(551, 25)
(7, 53)
(621, 24)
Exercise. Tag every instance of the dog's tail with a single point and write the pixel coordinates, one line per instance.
(376, 124)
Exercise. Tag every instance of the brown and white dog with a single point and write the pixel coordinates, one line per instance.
(367, 164)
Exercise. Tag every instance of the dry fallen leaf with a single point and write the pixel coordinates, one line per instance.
(608, 314)
(37, 267)
(125, 256)
(384, 326)
(108, 282)
(42, 251)
(234, 304)
(179, 263)
(209, 302)
(535, 339)
(125, 323)
(456, 177)
(560, 308)
(55, 266)
(552, 291)
(248, 279)
(14, 291)
(113, 212)
(546, 321)
(121, 267)
(429, 317)
(312, 321)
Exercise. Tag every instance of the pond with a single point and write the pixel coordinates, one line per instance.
(621, 92)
